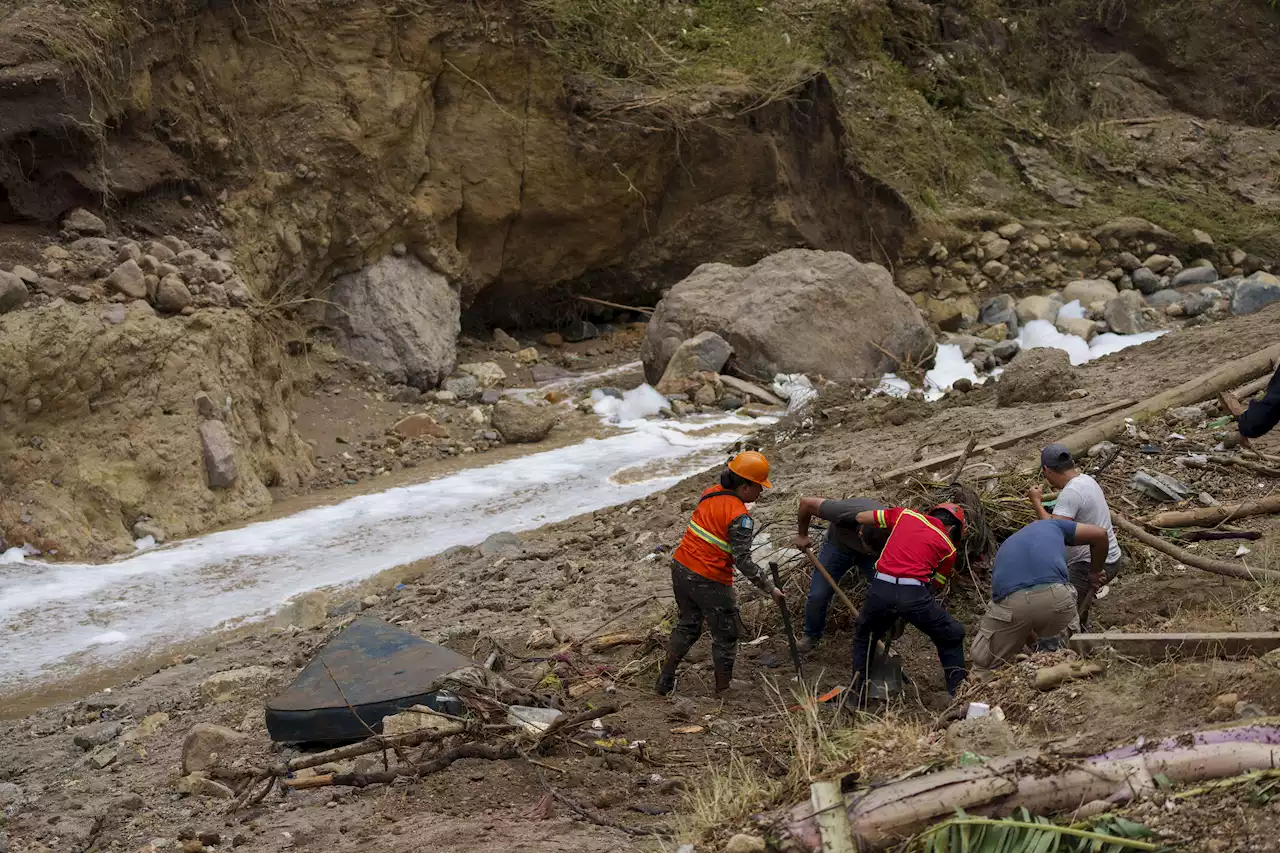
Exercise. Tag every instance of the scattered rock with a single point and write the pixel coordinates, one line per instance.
(914, 279)
(996, 249)
(1038, 308)
(1042, 375)
(1128, 262)
(985, 736)
(504, 341)
(1145, 281)
(519, 423)
(307, 612)
(552, 339)
(418, 425)
(200, 785)
(145, 528)
(13, 292)
(1011, 231)
(172, 295)
(205, 743)
(580, 330)
(487, 373)
(1162, 299)
(500, 544)
(797, 311)
(464, 385)
(705, 352)
(542, 638)
(1130, 229)
(1101, 448)
(10, 793)
(1158, 263)
(104, 756)
(1006, 350)
(28, 275)
(129, 279)
(1078, 326)
(1200, 239)
(96, 735)
(528, 355)
(251, 681)
(81, 221)
(1089, 291)
(219, 454)
(952, 314)
(152, 723)
(1255, 293)
(1198, 303)
(999, 310)
(1195, 275)
(743, 843)
(1124, 313)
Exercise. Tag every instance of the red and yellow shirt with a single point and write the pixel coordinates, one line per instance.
(918, 547)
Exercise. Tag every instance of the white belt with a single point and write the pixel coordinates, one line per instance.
(881, 576)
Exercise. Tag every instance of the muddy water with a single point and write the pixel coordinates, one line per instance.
(57, 621)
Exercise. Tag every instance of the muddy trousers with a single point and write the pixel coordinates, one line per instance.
(1085, 593)
(1044, 611)
(885, 603)
(700, 600)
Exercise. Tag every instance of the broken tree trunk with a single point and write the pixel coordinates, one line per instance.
(1185, 645)
(1211, 515)
(891, 813)
(1202, 387)
(1218, 567)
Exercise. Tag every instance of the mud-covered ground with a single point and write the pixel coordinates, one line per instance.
(607, 572)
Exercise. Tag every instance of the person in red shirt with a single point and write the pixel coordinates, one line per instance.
(917, 560)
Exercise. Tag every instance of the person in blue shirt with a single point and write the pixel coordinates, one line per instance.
(1031, 591)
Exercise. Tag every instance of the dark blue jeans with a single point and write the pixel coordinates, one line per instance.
(886, 603)
(837, 561)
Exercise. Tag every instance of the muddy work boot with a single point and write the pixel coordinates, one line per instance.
(724, 681)
(806, 645)
(667, 676)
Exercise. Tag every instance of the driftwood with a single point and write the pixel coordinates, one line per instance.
(1211, 515)
(1217, 567)
(889, 814)
(1202, 387)
(964, 459)
(1051, 677)
(998, 443)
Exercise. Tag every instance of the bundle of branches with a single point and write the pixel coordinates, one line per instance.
(980, 539)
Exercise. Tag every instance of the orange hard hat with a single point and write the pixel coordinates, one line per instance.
(752, 466)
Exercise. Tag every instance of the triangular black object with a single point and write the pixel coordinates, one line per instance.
(382, 670)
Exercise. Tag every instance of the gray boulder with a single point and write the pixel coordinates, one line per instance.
(1006, 350)
(1039, 308)
(1195, 275)
(463, 384)
(704, 352)
(129, 279)
(1146, 281)
(1089, 291)
(1042, 375)
(82, 221)
(797, 311)
(1255, 293)
(13, 292)
(520, 424)
(579, 331)
(400, 316)
(1128, 262)
(219, 454)
(1197, 303)
(172, 294)
(499, 544)
(1162, 299)
(1000, 309)
(1124, 313)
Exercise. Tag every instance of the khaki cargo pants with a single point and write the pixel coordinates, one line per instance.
(1009, 624)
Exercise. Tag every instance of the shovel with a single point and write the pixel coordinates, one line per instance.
(786, 623)
(884, 677)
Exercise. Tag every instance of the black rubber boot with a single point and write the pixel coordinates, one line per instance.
(724, 680)
(667, 677)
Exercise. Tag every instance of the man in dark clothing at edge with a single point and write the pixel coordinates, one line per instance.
(917, 560)
(847, 544)
(717, 541)
(1264, 413)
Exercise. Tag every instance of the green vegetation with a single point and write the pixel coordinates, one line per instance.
(1022, 832)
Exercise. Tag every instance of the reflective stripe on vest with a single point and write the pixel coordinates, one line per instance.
(708, 537)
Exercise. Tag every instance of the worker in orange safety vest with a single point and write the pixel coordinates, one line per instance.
(717, 541)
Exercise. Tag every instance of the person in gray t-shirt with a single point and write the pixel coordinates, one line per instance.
(1080, 499)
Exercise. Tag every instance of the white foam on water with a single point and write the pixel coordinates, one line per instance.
(144, 543)
(1073, 310)
(1041, 333)
(56, 618)
(635, 405)
(948, 366)
(893, 385)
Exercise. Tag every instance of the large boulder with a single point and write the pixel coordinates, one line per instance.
(219, 455)
(1042, 375)
(401, 317)
(1000, 309)
(1255, 293)
(798, 311)
(1195, 275)
(1039, 308)
(519, 423)
(13, 292)
(1089, 291)
(705, 352)
(1124, 313)
(1146, 281)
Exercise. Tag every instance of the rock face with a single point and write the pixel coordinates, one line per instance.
(704, 352)
(1255, 293)
(118, 454)
(1036, 376)
(519, 423)
(798, 311)
(1124, 313)
(401, 317)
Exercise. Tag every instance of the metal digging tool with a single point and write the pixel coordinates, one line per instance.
(885, 677)
(786, 623)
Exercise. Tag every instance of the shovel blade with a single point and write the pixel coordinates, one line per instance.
(885, 676)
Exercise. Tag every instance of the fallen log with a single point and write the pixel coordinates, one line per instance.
(1212, 515)
(1202, 387)
(1216, 535)
(998, 443)
(1217, 567)
(1212, 644)
(889, 814)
